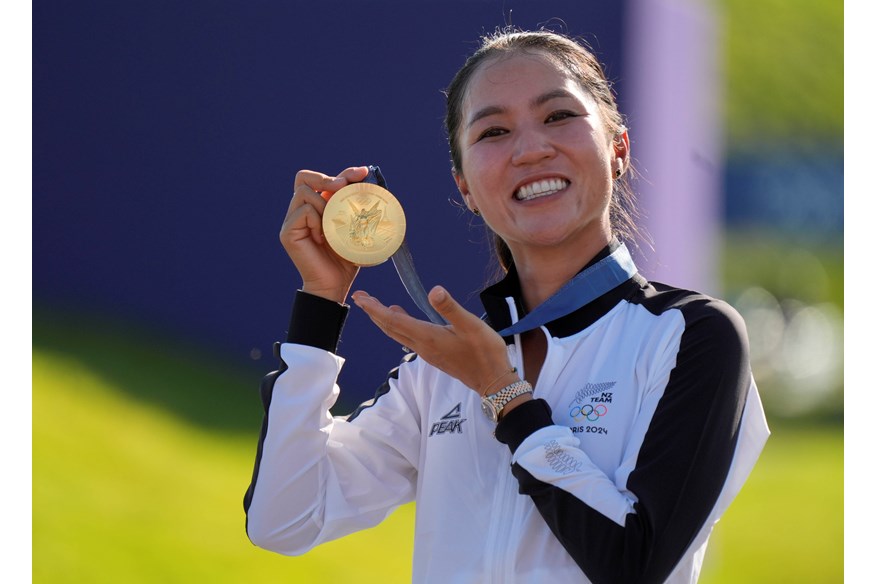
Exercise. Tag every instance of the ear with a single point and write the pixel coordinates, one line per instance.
(621, 148)
(462, 185)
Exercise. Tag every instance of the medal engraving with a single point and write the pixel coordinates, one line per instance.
(364, 224)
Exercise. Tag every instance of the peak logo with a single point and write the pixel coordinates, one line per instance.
(450, 423)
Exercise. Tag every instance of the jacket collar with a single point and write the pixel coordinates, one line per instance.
(494, 299)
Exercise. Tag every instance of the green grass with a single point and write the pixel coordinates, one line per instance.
(132, 484)
(128, 489)
(787, 523)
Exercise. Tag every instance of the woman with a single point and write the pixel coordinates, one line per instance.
(621, 416)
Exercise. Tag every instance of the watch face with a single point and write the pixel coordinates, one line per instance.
(489, 410)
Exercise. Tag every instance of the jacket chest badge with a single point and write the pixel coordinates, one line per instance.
(589, 409)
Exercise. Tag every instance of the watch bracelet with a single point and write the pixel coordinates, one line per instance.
(509, 392)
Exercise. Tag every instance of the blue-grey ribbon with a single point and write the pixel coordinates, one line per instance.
(404, 263)
(585, 287)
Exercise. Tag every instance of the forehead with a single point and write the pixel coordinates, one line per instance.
(506, 78)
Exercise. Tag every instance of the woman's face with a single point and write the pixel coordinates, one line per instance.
(537, 160)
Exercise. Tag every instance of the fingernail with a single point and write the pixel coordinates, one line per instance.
(440, 293)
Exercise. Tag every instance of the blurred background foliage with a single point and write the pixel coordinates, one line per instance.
(784, 73)
(143, 447)
(783, 253)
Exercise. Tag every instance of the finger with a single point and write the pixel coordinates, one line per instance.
(354, 174)
(304, 218)
(313, 222)
(319, 182)
(350, 175)
(376, 311)
(304, 195)
(449, 308)
(395, 332)
(392, 320)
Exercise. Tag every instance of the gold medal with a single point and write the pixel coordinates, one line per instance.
(364, 224)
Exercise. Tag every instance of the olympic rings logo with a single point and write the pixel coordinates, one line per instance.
(588, 412)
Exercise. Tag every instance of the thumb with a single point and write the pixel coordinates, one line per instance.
(446, 306)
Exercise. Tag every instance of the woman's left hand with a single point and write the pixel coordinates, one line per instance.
(466, 348)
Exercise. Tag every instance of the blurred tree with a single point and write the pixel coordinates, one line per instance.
(784, 61)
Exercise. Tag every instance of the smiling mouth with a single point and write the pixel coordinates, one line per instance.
(540, 188)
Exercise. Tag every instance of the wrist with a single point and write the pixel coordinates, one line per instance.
(517, 401)
(316, 322)
(505, 378)
(494, 404)
(332, 294)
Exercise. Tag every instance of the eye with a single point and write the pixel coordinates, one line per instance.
(559, 116)
(492, 133)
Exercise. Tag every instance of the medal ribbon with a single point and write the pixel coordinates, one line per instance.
(585, 287)
(404, 263)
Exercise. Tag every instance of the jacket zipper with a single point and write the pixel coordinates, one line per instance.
(504, 509)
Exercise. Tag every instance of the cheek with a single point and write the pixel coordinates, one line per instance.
(591, 146)
(480, 168)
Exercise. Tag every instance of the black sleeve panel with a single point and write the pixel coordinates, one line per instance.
(522, 421)
(316, 322)
(266, 391)
(682, 464)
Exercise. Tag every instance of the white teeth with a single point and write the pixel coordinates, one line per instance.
(540, 188)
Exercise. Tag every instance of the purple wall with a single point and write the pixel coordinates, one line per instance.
(166, 135)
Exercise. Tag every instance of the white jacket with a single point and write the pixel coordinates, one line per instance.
(646, 424)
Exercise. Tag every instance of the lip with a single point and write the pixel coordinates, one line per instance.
(536, 178)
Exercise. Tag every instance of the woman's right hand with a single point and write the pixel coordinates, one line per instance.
(324, 272)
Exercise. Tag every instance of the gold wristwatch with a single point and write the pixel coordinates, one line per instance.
(492, 405)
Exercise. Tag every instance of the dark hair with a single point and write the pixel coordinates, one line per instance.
(580, 63)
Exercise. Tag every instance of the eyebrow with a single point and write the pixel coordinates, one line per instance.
(542, 99)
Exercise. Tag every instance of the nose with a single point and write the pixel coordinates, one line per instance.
(531, 146)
